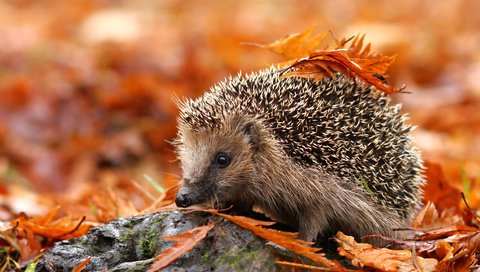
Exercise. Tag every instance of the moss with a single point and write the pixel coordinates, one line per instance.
(157, 220)
(149, 243)
(137, 232)
(238, 259)
(126, 235)
(206, 258)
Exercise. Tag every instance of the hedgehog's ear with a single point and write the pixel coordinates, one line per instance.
(252, 130)
(248, 126)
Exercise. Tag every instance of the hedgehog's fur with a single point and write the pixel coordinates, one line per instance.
(325, 156)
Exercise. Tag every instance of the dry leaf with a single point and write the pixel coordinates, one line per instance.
(355, 60)
(383, 259)
(429, 226)
(303, 266)
(428, 216)
(375, 63)
(470, 217)
(438, 190)
(323, 63)
(459, 256)
(296, 45)
(29, 235)
(183, 243)
(62, 228)
(453, 243)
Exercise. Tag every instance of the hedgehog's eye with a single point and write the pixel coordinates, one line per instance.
(222, 160)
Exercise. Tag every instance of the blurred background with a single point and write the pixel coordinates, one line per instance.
(86, 86)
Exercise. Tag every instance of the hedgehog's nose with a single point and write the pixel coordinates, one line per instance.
(182, 200)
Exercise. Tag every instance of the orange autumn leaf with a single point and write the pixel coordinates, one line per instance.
(466, 258)
(444, 252)
(458, 256)
(438, 190)
(323, 63)
(109, 205)
(46, 219)
(382, 259)
(28, 246)
(296, 45)
(170, 193)
(451, 239)
(353, 60)
(460, 253)
(183, 243)
(285, 239)
(29, 235)
(373, 62)
(470, 217)
(426, 217)
(62, 228)
(302, 266)
(429, 225)
(79, 267)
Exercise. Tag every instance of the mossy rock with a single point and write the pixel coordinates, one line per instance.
(131, 244)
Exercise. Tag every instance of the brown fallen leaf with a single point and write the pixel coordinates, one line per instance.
(426, 217)
(469, 216)
(472, 246)
(438, 190)
(452, 240)
(458, 256)
(164, 200)
(428, 225)
(183, 243)
(382, 259)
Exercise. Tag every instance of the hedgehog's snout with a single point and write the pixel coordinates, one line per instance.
(182, 200)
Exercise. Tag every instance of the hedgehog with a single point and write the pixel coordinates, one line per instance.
(320, 156)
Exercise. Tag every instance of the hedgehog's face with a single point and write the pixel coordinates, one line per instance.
(217, 163)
